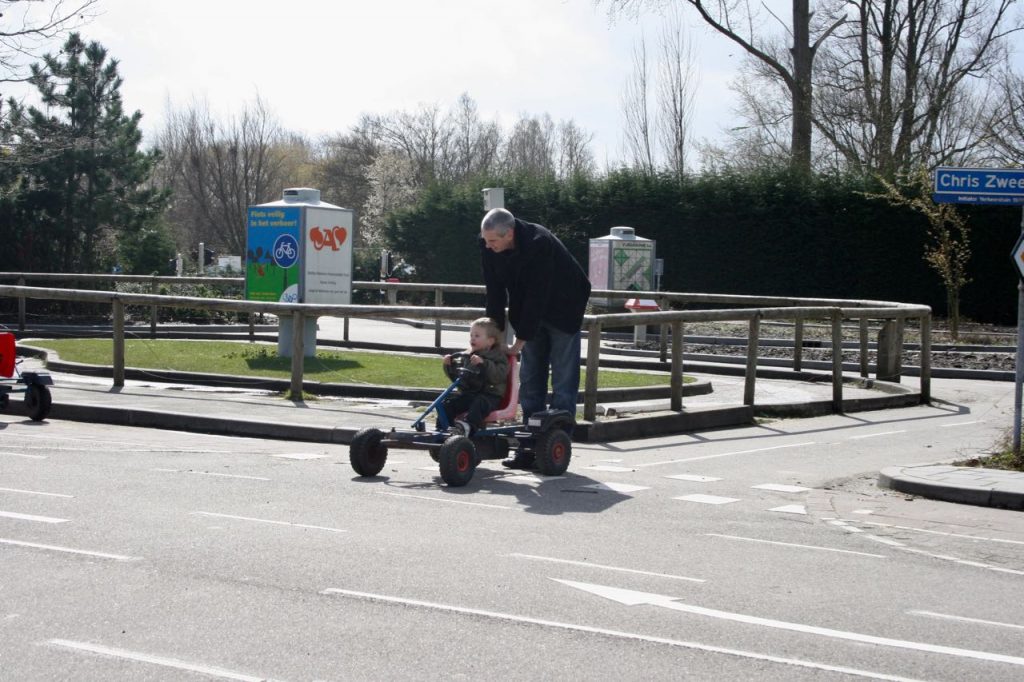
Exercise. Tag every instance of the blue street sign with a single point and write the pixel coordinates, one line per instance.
(1003, 186)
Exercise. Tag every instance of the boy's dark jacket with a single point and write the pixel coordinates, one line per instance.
(539, 280)
(492, 379)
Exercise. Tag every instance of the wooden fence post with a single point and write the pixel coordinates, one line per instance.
(798, 344)
(837, 361)
(753, 337)
(298, 355)
(676, 401)
(593, 358)
(117, 322)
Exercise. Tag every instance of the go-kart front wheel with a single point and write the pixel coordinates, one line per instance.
(38, 402)
(457, 458)
(553, 452)
(366, 453)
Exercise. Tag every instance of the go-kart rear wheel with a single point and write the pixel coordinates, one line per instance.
(553, 451)
(457, 458)
(366, 453)
(38, 402)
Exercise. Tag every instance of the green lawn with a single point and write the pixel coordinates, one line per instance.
(258, 359)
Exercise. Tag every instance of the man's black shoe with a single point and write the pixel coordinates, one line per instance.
(521, 460)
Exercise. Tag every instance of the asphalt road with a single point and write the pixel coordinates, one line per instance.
(763, 552)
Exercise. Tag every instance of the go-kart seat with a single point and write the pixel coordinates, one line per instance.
(510, 401)
(8, 354)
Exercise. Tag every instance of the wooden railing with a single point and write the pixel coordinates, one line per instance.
(751, 310)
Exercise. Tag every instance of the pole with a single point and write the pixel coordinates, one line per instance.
(1019, 365)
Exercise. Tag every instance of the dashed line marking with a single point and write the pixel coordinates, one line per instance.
(617, 487)
(876, 435)
(965, 619)
(213, 473)
(141, 657)
(21, 454)
(707, 499)
(725, 454)
(694, 478)
(34, 492)
(790, 509)
(587, 564)
(610, 468)
(940, 532)
(780, 488)
(68, 550)
(793, 544)
(950, 426)
(31, 517)
(270, 521)
(437, 499)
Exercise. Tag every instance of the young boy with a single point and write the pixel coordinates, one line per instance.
(478, 394)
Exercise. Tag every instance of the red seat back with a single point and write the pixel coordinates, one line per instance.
(510, 401)
(8, 353)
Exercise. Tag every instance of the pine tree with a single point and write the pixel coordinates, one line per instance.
(86, 181)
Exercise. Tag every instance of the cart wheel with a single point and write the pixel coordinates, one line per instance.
(5, 399)
(434, 453)
(553, 451)
(457, 458)
(366, 453)
(38, 402)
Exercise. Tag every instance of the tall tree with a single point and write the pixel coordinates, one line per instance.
(742, 23)
(902, 84)
(638, 131)
(217, 170)
(85, 181)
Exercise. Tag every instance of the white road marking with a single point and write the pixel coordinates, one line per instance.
(966, 619)
(790, 509)
(19, 454)
(508, 617)
(603, 567)
(34, 492)
(610, 468)
(725, 454)
(793, 544)
(695, 478)
(780, 488)
(31, 517)
(940, 532)
(618, 487)
(876, 435)
(69, 550)
(140, 657)
(707, 499)
(633, 598)
(863, 511)
(532, 478)
(271, 521)
(437, 499)
(949, 426)
(213, 473)
(943, 557)
(301, 455)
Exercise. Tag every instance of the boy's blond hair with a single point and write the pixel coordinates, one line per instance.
(490, 328)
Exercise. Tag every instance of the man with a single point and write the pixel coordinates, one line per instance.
(528, 269)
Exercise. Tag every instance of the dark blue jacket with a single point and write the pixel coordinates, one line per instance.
(538, 280)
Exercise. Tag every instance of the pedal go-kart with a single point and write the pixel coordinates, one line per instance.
(545, 435)
(33, 384)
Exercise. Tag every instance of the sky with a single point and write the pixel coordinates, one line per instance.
(319, 64)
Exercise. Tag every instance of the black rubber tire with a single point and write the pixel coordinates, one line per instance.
(457, 458)
(366, 453)
(553, 450)
(433, 452)
(38, 402)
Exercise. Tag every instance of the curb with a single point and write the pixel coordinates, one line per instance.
(965, 485)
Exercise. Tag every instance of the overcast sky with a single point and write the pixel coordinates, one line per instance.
(319, 64)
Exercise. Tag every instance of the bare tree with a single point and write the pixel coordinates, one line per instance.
(742, 22)
(530, 148)
(574, 156)
(28, 26)
(341, 163)
(676, 84)
(218, 170)
(475, 143)
(638, 132)
(1005, 135)
(896, 87)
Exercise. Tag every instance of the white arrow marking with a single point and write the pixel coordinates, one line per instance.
(508, 617)
(633, 598)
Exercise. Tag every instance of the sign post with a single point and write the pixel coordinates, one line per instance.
(1002, 186)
